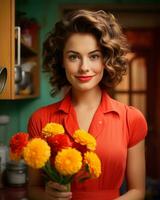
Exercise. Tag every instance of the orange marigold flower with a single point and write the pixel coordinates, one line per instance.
(36, 153)
(93, 162)
(68, 161)
(52, 129)
(17, 143)
(85, 138)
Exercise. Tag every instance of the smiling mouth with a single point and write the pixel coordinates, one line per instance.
(84, 78)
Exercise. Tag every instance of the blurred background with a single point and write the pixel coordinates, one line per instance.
(29, 87)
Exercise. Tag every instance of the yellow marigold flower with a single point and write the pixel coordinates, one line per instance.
(36, 153)
(93, 162)
(85, 138)
(52, 129)
(68, 161)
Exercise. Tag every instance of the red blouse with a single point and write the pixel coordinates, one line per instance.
(116, 128)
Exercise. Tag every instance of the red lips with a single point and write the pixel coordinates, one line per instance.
(84, 78)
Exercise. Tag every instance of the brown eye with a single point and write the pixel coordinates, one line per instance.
(73, 57)
(95, 57)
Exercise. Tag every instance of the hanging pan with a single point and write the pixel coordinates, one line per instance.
(3, 78)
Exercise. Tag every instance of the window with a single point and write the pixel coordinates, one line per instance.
(133, 88)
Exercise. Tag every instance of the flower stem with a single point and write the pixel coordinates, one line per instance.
(68, 187)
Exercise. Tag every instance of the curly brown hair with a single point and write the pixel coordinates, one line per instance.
(108, 34)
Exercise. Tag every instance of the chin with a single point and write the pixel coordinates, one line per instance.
(85, 88)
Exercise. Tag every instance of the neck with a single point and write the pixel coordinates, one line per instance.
(86, 98)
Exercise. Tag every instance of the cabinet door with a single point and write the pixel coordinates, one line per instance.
(7, 44)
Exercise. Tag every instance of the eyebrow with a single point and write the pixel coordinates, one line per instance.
(94, 51)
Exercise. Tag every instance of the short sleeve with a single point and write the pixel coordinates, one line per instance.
(41, 117)
(35, 124)
(137, 126)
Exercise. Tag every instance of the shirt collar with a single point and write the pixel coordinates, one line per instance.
(107, 104)
(65, 103)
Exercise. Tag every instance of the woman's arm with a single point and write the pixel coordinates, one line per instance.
(135, 173)
(51, 191)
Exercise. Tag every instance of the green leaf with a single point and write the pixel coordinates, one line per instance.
(51, 172)
(67, 179)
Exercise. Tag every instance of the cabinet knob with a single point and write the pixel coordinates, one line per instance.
(3, 77)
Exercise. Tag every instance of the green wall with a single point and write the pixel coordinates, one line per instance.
(47, 12)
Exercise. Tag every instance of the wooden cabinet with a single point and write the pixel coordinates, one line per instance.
(9, 52)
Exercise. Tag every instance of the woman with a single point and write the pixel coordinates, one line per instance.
(86, 51)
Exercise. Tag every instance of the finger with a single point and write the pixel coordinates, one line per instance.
(62, 194)
(57, 186)
(61, 199)
(57, 194)
(50, 197)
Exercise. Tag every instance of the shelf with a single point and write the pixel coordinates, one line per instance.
(30, 96)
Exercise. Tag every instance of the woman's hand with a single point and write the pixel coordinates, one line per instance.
(55, 191)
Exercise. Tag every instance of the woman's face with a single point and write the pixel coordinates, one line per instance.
(83, 61)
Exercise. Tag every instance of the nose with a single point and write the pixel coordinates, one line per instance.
(84, 65)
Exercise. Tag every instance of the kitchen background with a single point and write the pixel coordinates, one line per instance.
(141, 22)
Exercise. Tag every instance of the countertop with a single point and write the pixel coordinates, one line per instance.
(13, 193)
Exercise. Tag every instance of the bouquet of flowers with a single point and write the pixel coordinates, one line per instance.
(59, 155)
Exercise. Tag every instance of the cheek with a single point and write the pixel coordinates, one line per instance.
(98, 69)
(70, 69)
